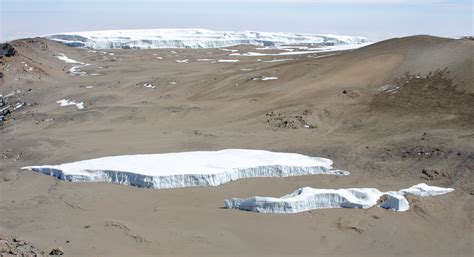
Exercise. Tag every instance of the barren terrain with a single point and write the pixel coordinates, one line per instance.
(394, 114)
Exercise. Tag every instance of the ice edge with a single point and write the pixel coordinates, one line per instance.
(307, 198)
(184, 180)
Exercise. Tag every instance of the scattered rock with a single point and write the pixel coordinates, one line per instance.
(344, 227)
(434, 92)
(432, 174)
(468, 38)
(422, 152)
(7, 109)
(13, 246)
(56, 251)
(416, 151)
(278, 120)
(350, 93)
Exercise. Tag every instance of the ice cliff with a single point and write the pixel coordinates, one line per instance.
(186, 169)
(307, 198)
(195, 38)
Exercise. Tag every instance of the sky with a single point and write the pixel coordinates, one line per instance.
(373, 19)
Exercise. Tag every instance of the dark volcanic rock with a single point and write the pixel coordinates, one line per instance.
(56, 251)
(7, 50)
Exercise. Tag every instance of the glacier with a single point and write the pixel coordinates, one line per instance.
(187, 169)
(307, 198)
(195, 38)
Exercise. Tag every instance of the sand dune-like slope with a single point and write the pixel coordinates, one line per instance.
(394, 114)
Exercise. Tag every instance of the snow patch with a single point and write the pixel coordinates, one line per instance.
(186, 169)
(230, 50)
(279, 60)
(75, 70)
(425, 190)
(228, 60)
(149, 86)
(317, 50)
(66, 59)
(269, 78)
(264, 78)
(68, 102)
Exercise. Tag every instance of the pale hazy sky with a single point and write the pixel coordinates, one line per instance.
(370, 18)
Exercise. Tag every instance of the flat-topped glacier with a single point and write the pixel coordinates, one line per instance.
(186, 169)
(307, 198)
(195, 38)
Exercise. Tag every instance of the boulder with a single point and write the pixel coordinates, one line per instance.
(7, 50)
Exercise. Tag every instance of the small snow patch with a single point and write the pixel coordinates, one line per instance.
(264, 78)
(279, 60)
(68, 102)
(230, 50)
(388, 88)
(269, 78)
(66, 59)
(227, 60)
(149, 86)
(75, 70)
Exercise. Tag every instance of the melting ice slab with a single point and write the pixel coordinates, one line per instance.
(425, 190)
(195, 38)
(307, 198)
(186, 169)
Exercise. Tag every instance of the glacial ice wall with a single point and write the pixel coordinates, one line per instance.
(195, 38)
(186, 169)
(307, 198)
